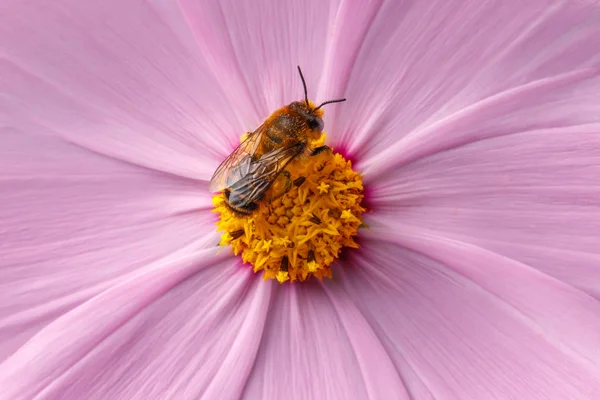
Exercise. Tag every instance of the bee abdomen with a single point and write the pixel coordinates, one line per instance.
(238, 205)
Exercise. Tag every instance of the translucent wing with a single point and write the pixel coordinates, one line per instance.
(237, 165)
(262, 174)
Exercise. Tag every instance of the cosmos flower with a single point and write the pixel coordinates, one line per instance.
(475, 124)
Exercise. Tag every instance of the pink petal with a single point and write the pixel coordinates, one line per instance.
(75, 223)
(348, 32)
(463, 322)
(560, 101)
(424, 61)
(516, 174)
(255, 46)
(317, 345)
(117, 78)
(181, 328)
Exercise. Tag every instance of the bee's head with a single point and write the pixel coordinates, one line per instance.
(313, 118)
(315, 122)
(313, 115)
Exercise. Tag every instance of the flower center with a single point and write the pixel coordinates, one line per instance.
(303, 223)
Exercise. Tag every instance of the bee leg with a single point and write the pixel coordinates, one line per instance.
(282, 185)
(319, 150)
(288, 181)
(299, 181)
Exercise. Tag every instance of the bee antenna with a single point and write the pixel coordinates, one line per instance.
(329, 102)
(304, 84)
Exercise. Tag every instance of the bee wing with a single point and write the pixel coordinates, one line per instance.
(237, 165)
(263, 173)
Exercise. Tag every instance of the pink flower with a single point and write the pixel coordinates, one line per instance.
(477, 127)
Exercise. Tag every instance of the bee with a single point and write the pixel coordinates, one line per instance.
(248, 172)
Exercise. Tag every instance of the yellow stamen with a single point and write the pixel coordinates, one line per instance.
(282, 276)
(300, 233)
(323, 188)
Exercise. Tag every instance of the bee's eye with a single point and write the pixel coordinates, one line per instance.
(315, 123)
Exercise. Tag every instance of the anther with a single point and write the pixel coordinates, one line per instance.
(236, 234)
(314, 219)
(284, 264)
(334, 213)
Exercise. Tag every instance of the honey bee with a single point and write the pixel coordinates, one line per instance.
(251, 169)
